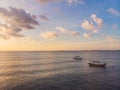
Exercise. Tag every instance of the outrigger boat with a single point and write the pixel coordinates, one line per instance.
(97, 64)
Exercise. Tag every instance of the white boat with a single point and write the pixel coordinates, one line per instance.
(77, 58)
(97, 64)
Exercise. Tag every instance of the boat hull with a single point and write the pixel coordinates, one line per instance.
(78, 58)
(97, 65)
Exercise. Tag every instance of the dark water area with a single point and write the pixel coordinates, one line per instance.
(58, 70)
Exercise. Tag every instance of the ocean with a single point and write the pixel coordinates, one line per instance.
(57, 70)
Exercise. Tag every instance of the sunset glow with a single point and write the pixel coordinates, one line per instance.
(59, 25)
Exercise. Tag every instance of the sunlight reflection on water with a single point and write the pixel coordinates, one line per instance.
(59, 71)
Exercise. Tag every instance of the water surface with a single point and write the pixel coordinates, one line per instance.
(59, 71)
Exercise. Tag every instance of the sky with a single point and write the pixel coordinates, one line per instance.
(48, 25)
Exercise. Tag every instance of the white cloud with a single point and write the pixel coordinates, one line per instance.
(87, 25)
(70, 2)
(48, 1)
(49, 35)
(62, 30)
(87, 35)
(113, 11)
(112, 39)
(74, 33)
(95, 31)
(66, 31)
(99, 21)
(75, 2)
(90, 26)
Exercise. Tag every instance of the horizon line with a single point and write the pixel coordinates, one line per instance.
(51, 50)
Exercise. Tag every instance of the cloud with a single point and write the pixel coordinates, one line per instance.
(99, 21)
(112, 39)
(66, 31)
(18, 17)
(53, 35)
(48, 1)
(87, 25)
(87, 35)
(10, 31)
(95, 31)
(62, 30)
(14, 32)
(44, 17)
(90, 26)
(114, 12)
(49, 35)
(15, 21)
(4, 36)
(70, 2)
(74, 33)
(34, 16)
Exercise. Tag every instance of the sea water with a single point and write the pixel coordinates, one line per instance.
(57, 70)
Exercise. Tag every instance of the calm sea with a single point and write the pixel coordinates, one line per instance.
(59, 71)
